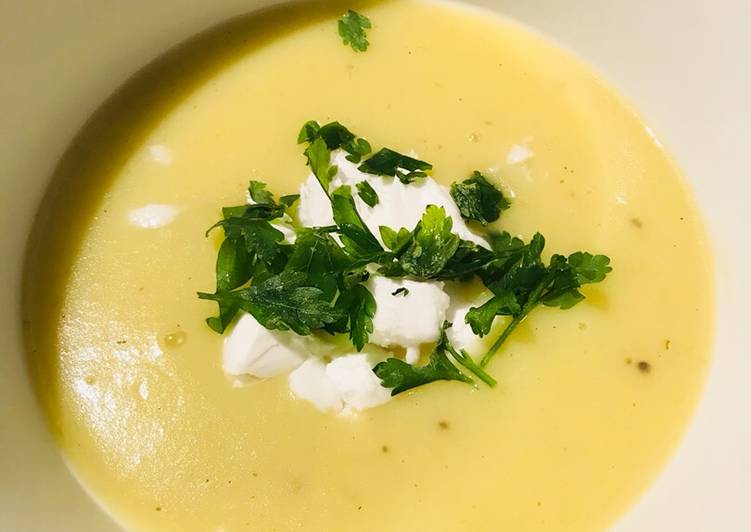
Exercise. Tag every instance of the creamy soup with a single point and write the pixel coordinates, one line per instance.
(590, 401)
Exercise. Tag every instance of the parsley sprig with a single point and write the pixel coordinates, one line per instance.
(317, 283)
(352, 28)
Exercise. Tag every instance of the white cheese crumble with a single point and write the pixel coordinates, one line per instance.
(311, 383)
(407, 320)
(252, 349)
(347, 384)
(153, 216)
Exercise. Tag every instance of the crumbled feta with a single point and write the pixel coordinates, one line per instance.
(407, 320)
(354, 380)
(399, 205)
(251, 349)
(311, 382)
(343, 385)
(519, 154)
(153, 216)
(460, 334)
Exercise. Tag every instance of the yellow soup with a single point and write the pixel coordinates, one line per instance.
(590, 401)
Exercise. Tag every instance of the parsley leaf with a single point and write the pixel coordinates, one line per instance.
(393, 240)
(367, 193)
(361, 307)
(432, 245)
(478, 199)
(523, 278)
(233, 268)
(289, 200)
(318, 255)
(259, 194)
(401, 376)
(390, 163)
(356, 236)
(352, 28)
(309, 132)
(335, 136)
(284, 301)
(319, 160)
(481, 318)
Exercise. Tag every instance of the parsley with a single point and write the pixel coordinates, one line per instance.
(284, 301)
(319, 160)
(523, 283)
(400, 292)
(432, 244)
(367, 193)
(397, 374)
(356, 237)
(478, 199)
(390, 163)
(401, 376)
(322, 140)
(259, 194)
(360, 306)
(352, 28)
(393, 240)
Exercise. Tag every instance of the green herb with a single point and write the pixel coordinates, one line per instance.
(317, 254)
(319, 160)
(259, 194)
(367, 193)
(356, 237)
(525, 283)
(393, 240)
(360, 306)
(289, 200)
(432, 245)
(390, 163)
(397, 374)
(478, 199)
(400, 292)
(352, 28)
(481, 318)
(284, 301)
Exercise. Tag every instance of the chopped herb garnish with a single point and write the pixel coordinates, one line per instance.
(360, 305)
(390, 163)
(284, 301)
(393, 240)
(352, 28)
(478, 199)
(397, 374)
(356, 237)
(367, 193)
(316, 283)
(432, 244)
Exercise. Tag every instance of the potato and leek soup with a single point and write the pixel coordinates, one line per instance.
(396, 265)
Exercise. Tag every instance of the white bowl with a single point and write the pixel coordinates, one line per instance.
(684, 64)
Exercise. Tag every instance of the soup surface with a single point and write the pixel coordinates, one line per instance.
(590, 401)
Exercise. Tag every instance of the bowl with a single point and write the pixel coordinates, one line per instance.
(680, 62)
